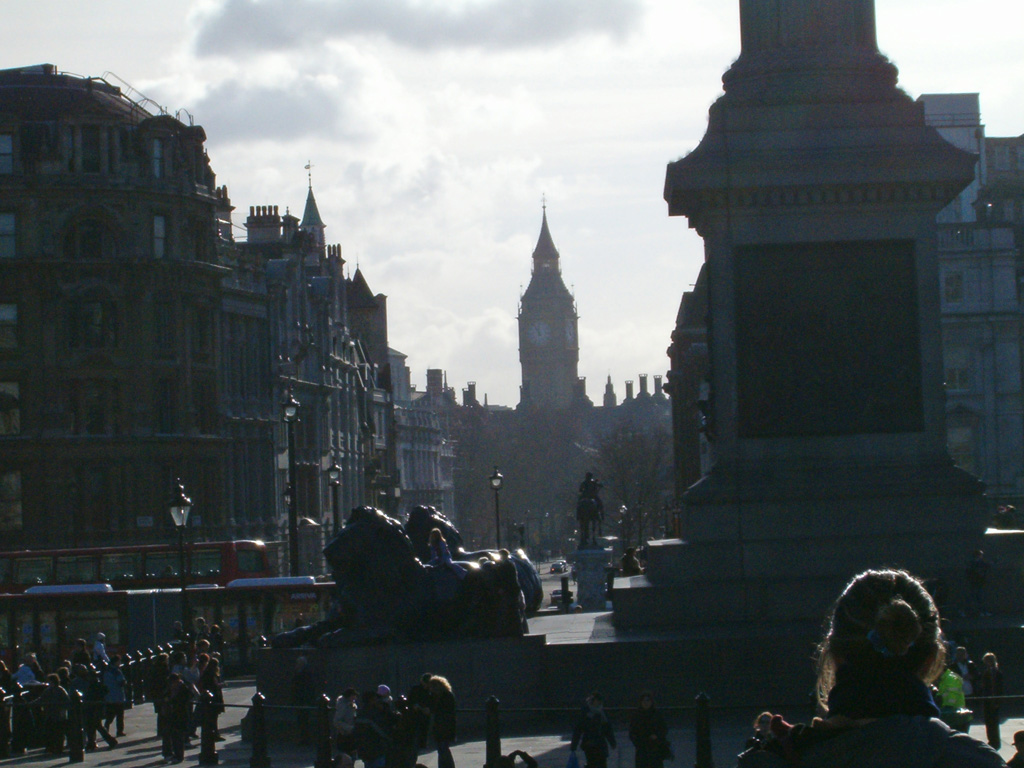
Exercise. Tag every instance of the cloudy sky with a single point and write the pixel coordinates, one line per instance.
(436, 126)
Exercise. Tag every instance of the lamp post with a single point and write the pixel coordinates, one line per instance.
(290, 410)
(496, 482)
(180, 506)
(334, 479)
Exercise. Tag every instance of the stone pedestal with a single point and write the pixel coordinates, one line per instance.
(591, 578)
(815, 190)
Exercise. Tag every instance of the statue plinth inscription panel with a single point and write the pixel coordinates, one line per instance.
(827, 339)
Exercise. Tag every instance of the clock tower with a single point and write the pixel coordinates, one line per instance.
(548, 345)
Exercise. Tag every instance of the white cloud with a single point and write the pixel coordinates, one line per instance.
(253, 26)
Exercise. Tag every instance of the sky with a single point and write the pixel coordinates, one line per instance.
(435, 128)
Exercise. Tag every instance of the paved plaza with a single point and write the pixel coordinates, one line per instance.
(550, 745)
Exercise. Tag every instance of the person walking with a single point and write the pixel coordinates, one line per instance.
(115, 699)
(649, 734)
(443, 710)
(55, 704)
(346, 708)
(991, 684)
(593, 733)
(210, 682)
(176, 718)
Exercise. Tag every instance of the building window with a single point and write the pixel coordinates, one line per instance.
(159, 236)
(954, 286)
(8, 326)
(93, 406)
(958, 378)
(158, 158)
(89, 239)
(960, 441)
(164, 407)
(10, 501)
(201, 332)
(1002, 157)
(10, 409)
(164, 330)
(90, 148)
(92, 325)
(6, 153)
(7, 231)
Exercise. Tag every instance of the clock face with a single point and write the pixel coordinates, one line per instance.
(539, 333)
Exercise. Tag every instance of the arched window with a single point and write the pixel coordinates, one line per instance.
(92, 323)
(89, 239)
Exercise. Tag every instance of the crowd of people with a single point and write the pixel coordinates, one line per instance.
(186, 689)
(381, 729)
(96, 677)
(175, 686)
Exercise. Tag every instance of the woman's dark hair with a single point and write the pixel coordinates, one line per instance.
(883, 615)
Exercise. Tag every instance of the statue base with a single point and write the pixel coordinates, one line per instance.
(592, 578)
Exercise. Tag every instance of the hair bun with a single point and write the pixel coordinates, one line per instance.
(898, 625)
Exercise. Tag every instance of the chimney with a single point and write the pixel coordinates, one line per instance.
(658, 389)
(643, 385)
(263, 224)
(469, 394)
(629, 390)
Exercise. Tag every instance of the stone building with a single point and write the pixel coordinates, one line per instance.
(115, 284)
(344, 418)
(982, 321)
(139, 343)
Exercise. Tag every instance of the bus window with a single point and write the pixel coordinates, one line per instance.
(24, 632)
(5, 570)
(5, 637)
(120, 567)
(161, 564)
(75, 570)
(251, 561)
(206, 562)
(86, 623)
(32, 570)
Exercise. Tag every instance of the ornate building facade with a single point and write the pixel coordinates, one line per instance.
(112, 286)
(139, 343)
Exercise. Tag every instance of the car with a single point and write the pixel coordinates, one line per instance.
(559, 566)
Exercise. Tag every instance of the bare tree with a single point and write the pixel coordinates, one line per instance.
(634, 466)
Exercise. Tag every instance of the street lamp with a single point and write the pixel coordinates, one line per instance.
(290, 410)
(334, 479)
(180, 506)
(496, 482)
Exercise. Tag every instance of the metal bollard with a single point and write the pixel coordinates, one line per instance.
(323, 732)
(76, 746)
(260, 758)
(21, 721)
(492, 729)
(5, 726)
(703, 733)
(208, 734)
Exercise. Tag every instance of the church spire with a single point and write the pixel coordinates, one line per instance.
(311, 221)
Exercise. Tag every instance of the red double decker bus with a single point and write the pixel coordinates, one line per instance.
(149, 566)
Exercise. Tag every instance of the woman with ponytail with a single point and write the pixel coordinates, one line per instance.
(881, 650)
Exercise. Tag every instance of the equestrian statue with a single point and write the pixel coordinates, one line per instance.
(589, 511)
